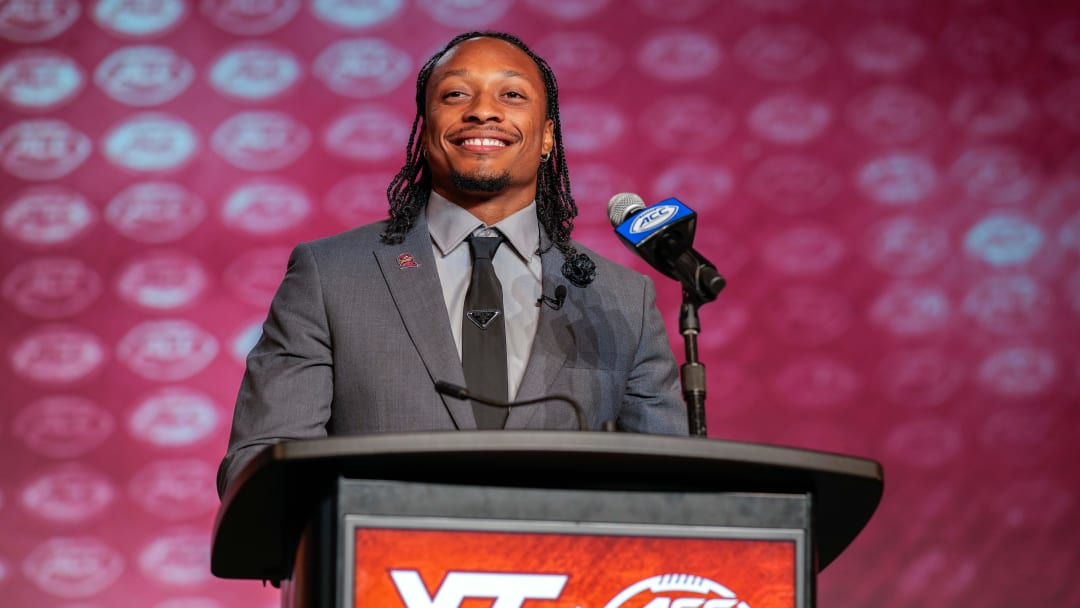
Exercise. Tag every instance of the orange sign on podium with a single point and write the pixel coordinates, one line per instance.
(596, 566)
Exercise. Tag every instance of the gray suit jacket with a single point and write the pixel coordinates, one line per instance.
(354, 342)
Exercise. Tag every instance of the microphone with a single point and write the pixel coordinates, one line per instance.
(663, 235)
(556, 302)
(460, 392)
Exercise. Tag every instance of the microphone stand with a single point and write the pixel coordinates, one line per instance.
(692, 371)
(696, 293)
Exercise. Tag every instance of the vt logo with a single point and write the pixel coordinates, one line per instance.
(510, 590)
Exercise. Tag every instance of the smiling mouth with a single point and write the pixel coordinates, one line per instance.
(487, 140)
(481, 142)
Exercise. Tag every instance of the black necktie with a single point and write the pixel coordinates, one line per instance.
(483, 334)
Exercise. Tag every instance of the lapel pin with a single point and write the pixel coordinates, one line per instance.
(406, 260)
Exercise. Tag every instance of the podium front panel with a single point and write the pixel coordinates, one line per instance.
(405, 544)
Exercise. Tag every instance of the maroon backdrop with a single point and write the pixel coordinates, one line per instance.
(892, 188)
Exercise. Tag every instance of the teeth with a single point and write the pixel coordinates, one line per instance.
(483, 141)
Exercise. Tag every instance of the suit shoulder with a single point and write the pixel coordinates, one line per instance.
(368, 235)
(611, 272)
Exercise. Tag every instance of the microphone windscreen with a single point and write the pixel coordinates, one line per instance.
(622, 206)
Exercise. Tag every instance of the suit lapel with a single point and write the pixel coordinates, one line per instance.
(418, 296)
(550, 346)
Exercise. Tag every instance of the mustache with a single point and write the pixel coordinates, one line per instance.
(474, 132)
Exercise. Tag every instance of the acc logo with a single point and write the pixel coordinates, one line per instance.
(151, 142)
(912, 309)
(677, 591)
(885, 49)
(582, 60)
(175, 489)
(42, 149)
(781, 52)
(351, 14)
(36, 20)
(255, 71)
(155, 212)
(892, 114)
(260, 141)
(162, 281)
(681, 10)
(696, 180)
(52, 288)
(679, 56)
(57, 354)
(804, 250)
(255, 275)
(48, 215)
(40, 79)
(68, 494)
(179, 558)
(567, 10)
(359, 199)
(365, 133)
(790, 118)
(174, 417)
(167, 350)
(898, 179)
(926, 442)
(362, 68)
(919, 378)
(794, 183)
(687, 124)
(997, 174)
(594, 181)
(73, 567)
(144, 75)
(1019, 371)
(247, 18)
(906, 246)
(63, 426)
(466, 13)
(591, 125)
(991, 110)
(1004, 240)
(138, 19)
(985, 45)
(808, 316)
(817, 381)
(266, 207)
(653, 218)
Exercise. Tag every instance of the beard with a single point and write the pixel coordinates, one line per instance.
(480, 182)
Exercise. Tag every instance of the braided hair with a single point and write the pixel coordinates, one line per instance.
(555, 207)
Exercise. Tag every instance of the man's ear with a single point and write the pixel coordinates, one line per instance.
(549, 136)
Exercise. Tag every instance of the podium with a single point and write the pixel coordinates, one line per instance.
(520, 519)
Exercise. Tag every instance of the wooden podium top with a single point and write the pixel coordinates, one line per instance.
(262, 515)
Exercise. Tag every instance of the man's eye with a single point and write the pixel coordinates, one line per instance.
(515, 95)
(451, 94)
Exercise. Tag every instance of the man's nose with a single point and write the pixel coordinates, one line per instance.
(484, 108)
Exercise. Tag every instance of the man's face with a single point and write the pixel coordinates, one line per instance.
(486, 124)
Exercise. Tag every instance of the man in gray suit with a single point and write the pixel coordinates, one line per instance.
(365, 322)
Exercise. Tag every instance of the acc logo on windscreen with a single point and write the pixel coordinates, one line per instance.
(676, 591)
(653, 218)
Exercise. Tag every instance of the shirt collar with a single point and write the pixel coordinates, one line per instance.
(450, 224)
